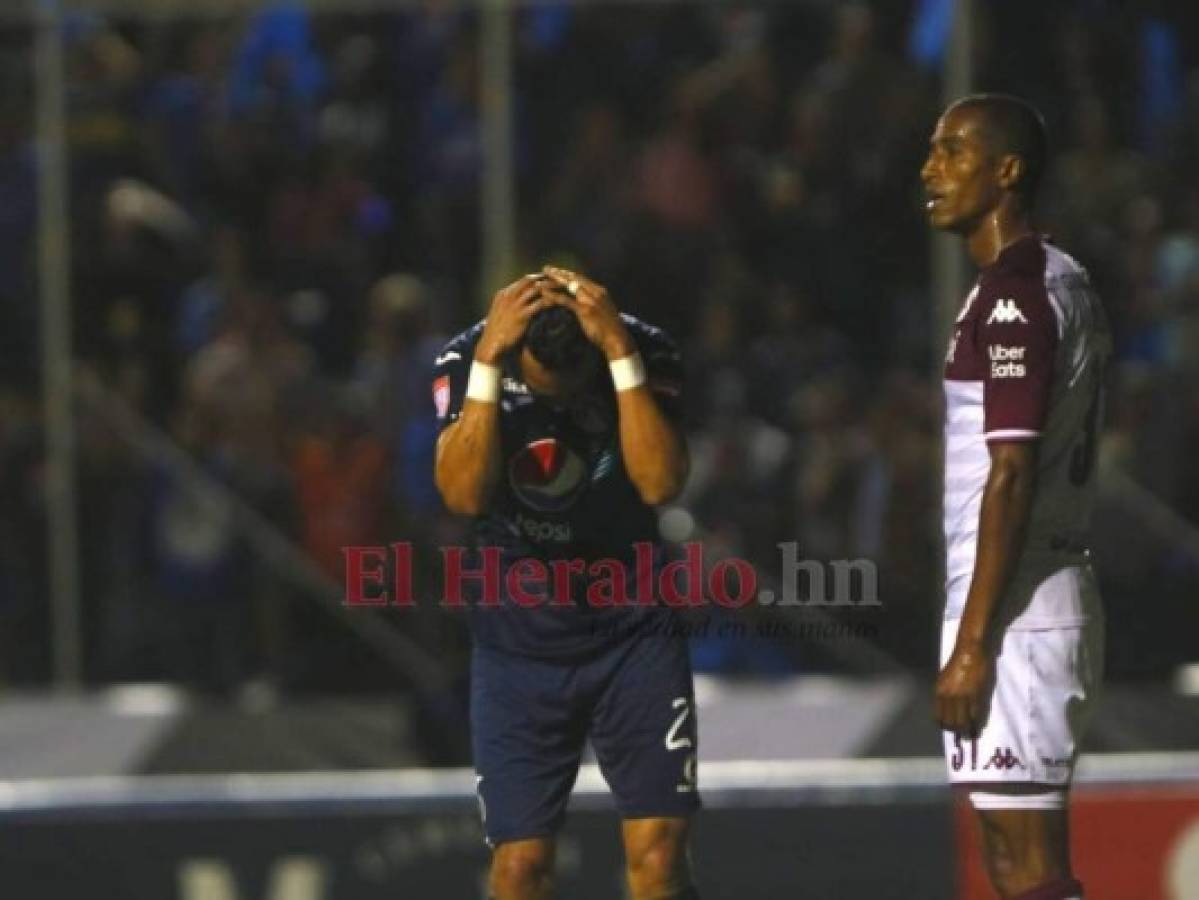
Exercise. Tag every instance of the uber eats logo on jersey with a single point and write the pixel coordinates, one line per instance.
(1006, 362)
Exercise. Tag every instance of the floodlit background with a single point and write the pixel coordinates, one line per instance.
(233, 235)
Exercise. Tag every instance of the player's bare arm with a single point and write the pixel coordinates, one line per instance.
(654, 452)
(467, 463)
(1007, 501)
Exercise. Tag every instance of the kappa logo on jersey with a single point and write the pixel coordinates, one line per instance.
(1006, 312)
(547, 475)
(441, 395)
(1004, 760)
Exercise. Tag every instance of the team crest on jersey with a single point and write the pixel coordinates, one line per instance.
(547, 475)
(1006, 312)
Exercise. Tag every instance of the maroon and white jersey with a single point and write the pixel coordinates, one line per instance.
(1025, 363)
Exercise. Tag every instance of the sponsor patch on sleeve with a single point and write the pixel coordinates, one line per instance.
(441, 395)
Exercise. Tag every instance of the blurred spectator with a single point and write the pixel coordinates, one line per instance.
(277, 76)
(341, 472)
(199, 563)
(394, 375)
(275, 219)
(181, 109)
(589, 203)
(1092, 183)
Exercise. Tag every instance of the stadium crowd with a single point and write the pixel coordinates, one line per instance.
(275, 224)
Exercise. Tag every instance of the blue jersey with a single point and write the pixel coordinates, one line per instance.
(563, 494)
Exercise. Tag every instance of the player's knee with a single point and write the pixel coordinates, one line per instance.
(657, 861)
(521, 869)
(1057, 889)
(1023, 885)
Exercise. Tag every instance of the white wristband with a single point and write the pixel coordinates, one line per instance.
(484, 383)
(628, 372)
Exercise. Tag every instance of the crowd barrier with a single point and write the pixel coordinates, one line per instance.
(836, 829)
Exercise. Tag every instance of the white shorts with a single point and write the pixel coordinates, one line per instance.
(1046, 682)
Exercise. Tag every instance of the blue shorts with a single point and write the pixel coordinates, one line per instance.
(530, 718)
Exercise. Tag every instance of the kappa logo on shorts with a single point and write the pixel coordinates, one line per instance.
(1004, 760)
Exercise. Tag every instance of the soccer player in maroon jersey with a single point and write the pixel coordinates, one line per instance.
(1021, 648)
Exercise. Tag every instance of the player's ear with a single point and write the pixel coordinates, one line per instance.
(1011, 171)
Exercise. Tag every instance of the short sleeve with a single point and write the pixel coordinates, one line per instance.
(664, 372)
(1018, 338)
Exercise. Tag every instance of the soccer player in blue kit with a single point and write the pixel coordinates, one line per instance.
(560, 433)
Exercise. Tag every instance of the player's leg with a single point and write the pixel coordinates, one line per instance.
(528, 727)
(522, 870)
(645, 738)
(1020, 765)
(656, 858)
(1027, 850)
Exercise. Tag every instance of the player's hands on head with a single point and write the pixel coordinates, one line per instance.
(961, 690)
(597, 314)
(511, 309)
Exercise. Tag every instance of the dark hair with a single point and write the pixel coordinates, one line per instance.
(556, 339)
(1014, 126)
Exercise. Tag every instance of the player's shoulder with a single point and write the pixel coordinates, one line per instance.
(651, 340)
(1059, 264)
(1012, 290)
(461, 347)
(663, 359)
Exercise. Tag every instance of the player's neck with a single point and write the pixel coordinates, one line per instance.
(999, 229)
